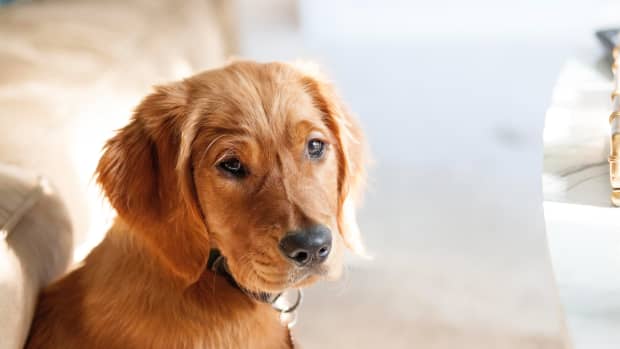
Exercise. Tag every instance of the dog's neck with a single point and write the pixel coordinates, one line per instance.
(217, 264)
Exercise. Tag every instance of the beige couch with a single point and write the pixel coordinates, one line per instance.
(70, 73)
(35, 247)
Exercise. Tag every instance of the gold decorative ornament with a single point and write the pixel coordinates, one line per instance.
(610, 38)
(614, 138)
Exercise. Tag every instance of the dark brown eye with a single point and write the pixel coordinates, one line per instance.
(233, 167)
(316, 149)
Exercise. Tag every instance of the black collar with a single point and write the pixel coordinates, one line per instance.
(217, 264)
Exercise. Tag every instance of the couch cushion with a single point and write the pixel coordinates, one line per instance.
(35, 248)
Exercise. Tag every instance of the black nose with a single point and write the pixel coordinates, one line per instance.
(307, 246)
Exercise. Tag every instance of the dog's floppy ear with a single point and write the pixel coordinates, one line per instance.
(151, 188)
(351, 150)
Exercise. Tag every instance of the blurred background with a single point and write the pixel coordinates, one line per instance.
(452, 95)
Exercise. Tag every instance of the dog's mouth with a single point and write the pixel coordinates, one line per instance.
(295, 277)
(263, 289)
(263, 278)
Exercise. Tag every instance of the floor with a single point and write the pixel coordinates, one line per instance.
(453, 215)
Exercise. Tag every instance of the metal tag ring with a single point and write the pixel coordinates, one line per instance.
(293, 307)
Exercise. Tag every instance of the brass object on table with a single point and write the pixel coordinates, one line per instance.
(614, 167)
(614, 139)
(610, 38)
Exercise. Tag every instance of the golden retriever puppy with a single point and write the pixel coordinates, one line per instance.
(257, 165)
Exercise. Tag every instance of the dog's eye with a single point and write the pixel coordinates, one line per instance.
(233, 167)
(316, 149)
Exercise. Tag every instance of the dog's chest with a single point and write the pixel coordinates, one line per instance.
(261, 330)
(254, 341)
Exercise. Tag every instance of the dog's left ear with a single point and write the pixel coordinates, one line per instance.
(351, 150)
(146, 173)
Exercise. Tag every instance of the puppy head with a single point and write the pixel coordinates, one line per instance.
(261, 161)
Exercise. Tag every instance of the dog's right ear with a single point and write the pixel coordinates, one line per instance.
(152, 189)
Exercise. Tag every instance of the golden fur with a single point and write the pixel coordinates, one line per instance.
(146, 285)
